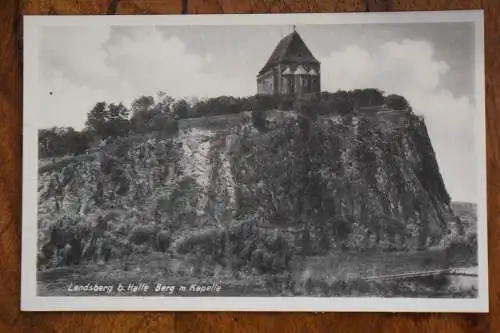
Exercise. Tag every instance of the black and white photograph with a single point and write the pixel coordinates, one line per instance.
(271, 162)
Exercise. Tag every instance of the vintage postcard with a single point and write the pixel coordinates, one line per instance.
(274, 162)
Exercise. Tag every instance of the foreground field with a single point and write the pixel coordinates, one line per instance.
(349, 275)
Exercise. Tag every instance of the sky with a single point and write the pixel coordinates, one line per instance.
(431, 64)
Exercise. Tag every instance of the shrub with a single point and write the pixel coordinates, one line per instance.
(286, 103)
(259, 120)
(368, 97)
(462, 249)
(163, 240)
(163, 123)
(251, 248)
(64, 242)
(397, 102)
(265, 102)
(207, 239)
(142, 234)
(219, 106)
(340, 102)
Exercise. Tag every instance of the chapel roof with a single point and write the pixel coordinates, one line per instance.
(290, 49)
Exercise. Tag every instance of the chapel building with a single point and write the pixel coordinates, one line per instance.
(291, 69)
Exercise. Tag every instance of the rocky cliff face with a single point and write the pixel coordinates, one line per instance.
(364, 182)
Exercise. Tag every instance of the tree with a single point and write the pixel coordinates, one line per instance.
(142, 108)
(181, 109)
(117, 122)
(142, 104)
(149, 116)
(60, 141)
(96, 119)
(108, 120)
(49, 143)
(77, 142)
(165, 102)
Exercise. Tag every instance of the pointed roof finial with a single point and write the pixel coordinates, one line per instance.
(293, 28)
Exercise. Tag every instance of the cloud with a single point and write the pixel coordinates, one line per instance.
(76, 54)
(82, 66)
(410, 68)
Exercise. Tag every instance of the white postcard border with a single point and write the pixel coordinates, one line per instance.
(31, 302)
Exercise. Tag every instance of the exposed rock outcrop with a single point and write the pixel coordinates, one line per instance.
(366, 182)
